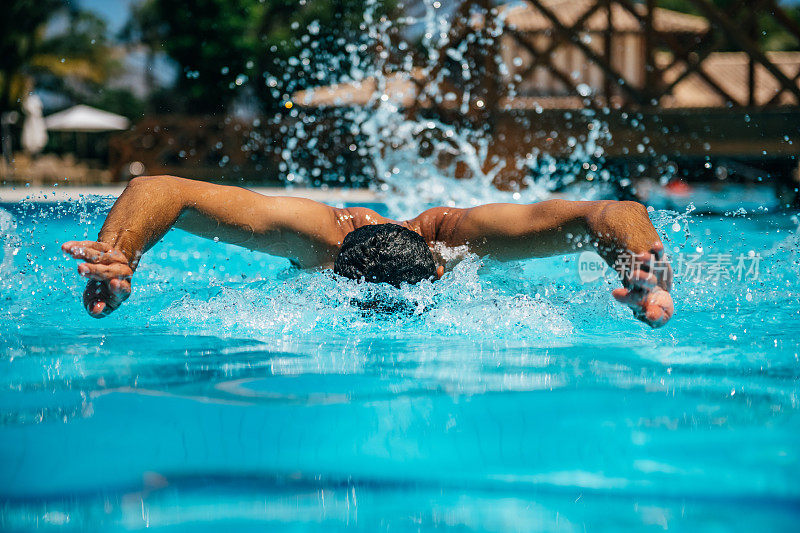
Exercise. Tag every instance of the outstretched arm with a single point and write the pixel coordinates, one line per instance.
(621, 232)
(302, 230)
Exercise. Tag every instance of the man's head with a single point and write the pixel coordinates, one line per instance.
(385, 253)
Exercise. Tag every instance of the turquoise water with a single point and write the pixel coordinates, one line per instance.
(234, 392)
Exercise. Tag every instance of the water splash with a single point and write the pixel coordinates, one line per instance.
(11, 242)
(460, 304)
(412, 158)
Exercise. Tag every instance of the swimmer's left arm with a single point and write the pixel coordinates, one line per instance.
(621, 232)
(301, 230)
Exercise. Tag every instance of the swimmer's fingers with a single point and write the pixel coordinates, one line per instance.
(101, 299)
(632, 299)
(120, 287)
(659, 265)
(656, 262)
(102, 246)
(641, 279)
(654, 308)
(663, 270)
(655, 252)
(101, 272)
(108, 272)
(654, 316)
(94, 252)
(664, 275)
(658, 308)
(78, 247)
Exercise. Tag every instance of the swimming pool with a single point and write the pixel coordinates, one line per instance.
(234, 392)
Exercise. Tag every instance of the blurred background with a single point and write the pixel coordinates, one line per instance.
(668, 100)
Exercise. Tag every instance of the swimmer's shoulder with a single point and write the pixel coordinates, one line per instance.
(437, 223)
(351, 218)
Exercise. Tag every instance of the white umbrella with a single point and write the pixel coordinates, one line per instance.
(85, 118)
(34, 133)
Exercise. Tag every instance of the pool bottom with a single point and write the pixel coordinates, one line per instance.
(308, 453)
(295, 503)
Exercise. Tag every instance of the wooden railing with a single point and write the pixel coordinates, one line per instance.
(735, 28)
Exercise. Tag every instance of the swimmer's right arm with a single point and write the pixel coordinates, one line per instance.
(302, 230)
(616, 230)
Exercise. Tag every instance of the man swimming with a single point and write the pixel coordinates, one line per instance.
(360, 244)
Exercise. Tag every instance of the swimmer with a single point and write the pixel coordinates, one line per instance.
(358, 243)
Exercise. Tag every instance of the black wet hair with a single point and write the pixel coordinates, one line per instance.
(385, 253)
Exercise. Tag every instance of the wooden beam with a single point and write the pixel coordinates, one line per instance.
(558, 73)
(707, 44)
(575, 39)
(722, 21)
(683, 54)
(555, 43)
(775, 100)
(539, 58)
(708, 36)
(493, 85)
(608, 49)
(691, 65)
(696, 67)
(459, 33)
(649, 44)
(793, 28)
(752, 32)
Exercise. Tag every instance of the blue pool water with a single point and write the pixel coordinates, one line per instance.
(232, 392)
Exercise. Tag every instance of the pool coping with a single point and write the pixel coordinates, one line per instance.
(15, 194)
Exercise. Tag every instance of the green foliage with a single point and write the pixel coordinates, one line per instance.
(75, 49)
(120, 101)
(770, 34)
(80, 52)
(227, 47)
(84, 36)
(20, 33)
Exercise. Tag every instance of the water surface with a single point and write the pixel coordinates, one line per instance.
(234, 391)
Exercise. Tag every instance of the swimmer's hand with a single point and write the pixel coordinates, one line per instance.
(109, 274)
(647, 283)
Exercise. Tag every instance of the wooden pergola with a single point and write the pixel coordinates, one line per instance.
(695, 87)
(688, 47)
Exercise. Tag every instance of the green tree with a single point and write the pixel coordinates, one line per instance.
(29, 55)
(21, 29)
(78, 59)
(770, 34)
(225, 47)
